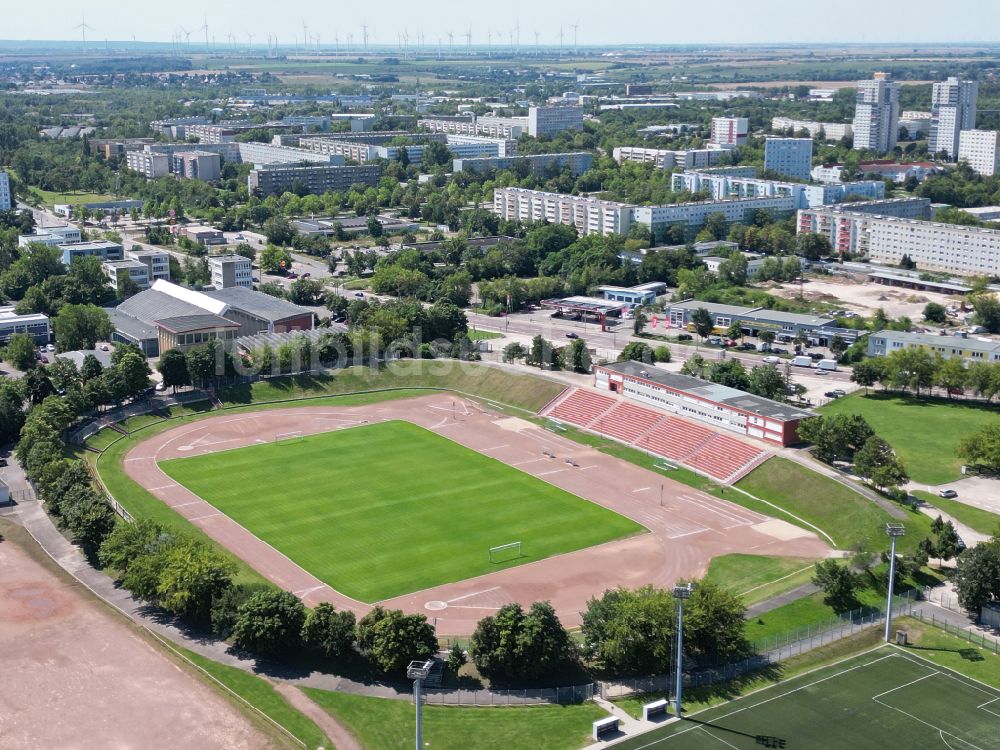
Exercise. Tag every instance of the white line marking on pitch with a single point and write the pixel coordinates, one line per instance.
(529, 461)
(202, 518)
(163, 487)
(546, 473)
(191, 502)
(474, 593)
(687, 533)
(305, 592)
(900, 687)
(642, 489)
(495, 447)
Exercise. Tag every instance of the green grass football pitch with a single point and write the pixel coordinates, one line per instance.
(386, 509)
(888, 698)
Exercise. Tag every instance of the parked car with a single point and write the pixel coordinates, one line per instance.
(3, 462)
(771, 360)
(947, 493)
(816, 356)
(572, 335)
(50, 348)
(715, 340)
(43, 359)
(359, 295)
(684, 337)
(779, 350)
(159, 387)
(746, 346)
(104, 347)
(835, 394)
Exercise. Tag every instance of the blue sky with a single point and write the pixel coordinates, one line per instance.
(632, 21)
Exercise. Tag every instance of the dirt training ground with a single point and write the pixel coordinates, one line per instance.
(686, 530)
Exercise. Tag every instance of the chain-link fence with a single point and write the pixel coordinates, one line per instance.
(524, 697)
(975, 638)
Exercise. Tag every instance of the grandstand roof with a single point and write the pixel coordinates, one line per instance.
(704, 389)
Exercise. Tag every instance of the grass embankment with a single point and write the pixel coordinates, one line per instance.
(337, 510)
(844, 514)
(476, 335)
(383, 724)
(925, 432)
(981, 520)
(951, 651)
(527, 392)
(260, 694)
(758, 577)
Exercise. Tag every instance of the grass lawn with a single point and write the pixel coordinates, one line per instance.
(842, 513)
(527, 392)
(757, 577)
(359, 507)
(75, 198)
(925, 431)
(383, 724)
(981, 520)
(889, 698)
(476, 335)
(951, 651)
(259, 693)
(103, 438)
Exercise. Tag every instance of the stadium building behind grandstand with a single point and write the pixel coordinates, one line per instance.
(724, 407)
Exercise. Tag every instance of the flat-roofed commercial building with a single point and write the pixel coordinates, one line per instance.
(35, 325)
(119, 270)
(51, 236)
(830, 131)
(971, 349)
(103, 249)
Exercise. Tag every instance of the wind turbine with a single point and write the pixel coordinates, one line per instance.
(204, 27)
(489, 43)
(468, 38)
(250, 40)
(560, 40)
(451, 43)
(83, 30)
(187, 34)
(350, 40)
(517, 33)
(536, 42)
(364, 34)
(305, 35)
(232, 40)
(576, 27)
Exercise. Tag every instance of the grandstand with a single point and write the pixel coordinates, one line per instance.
(700, 448)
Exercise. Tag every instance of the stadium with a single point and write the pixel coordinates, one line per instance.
(449, 507)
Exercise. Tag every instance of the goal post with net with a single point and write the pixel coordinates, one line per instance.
(505, 552)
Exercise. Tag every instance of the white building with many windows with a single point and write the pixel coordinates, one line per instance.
(953, 109)
(980, 149)
(876, 114)
(789, 157)
(6, 199)
(729, 132)
(544, 121)
(588, 215)
(829, 131)
(230, 270)
(152, 165)
(666, 159)
(740, 182)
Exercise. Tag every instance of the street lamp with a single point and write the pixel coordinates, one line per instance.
(418, 671)
(894, 530)
(680, 594)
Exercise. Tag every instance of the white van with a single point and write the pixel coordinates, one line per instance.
(827, 364)
(802, 361)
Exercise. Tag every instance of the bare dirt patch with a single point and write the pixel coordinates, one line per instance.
(686, 530)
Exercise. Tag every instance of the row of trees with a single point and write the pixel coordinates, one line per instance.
(916, 369)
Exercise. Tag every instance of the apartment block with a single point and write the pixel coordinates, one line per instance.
(666, 159)
(316, 179)
(876, 114)
(691, 216)
(577, 162)
(882, 343)
(6, 199)
(226, 151)
(197, 165)
(729, 132)
(267, 153)
(548, 121)
(953, 109)
(740, 182)
(789, 157)
(230, 270)
(827, 131)
(51, 236)
(981, 150)
(152, 165)
(588, 215)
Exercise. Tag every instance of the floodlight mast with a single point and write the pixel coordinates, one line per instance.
(680, 594)
(894, 530)
(418, 671)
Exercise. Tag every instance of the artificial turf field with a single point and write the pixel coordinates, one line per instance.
(385, 509)
(884, 699)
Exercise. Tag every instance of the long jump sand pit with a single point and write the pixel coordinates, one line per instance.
(76, 676)
(686, 529)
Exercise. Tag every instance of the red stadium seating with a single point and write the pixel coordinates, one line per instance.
(701, 448)
(582, 407)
